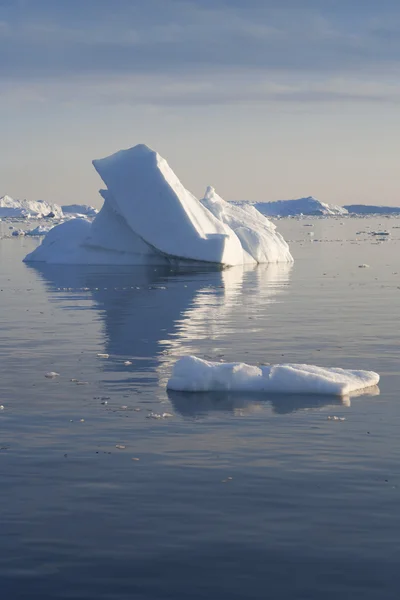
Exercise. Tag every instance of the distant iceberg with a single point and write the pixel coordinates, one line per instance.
(148, 217)
(28, 209)
(366, 209)
(192, 374)
(301, 206)
(79, 209)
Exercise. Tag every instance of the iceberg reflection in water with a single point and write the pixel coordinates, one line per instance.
(156, 315)
(205, 403)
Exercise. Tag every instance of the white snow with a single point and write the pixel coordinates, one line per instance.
(300, 206)
(193, 374)
(148, 217)
(28, 208)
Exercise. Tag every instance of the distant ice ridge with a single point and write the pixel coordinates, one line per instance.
(192, 374)
(365, 209)
(148, 217)
(79, 209)
(28, 209)
(301, 206)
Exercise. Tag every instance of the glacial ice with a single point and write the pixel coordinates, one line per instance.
(148, 217)
(192, 374)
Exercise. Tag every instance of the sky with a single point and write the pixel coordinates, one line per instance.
(263, 99)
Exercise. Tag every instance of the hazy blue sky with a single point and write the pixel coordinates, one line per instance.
(263, 99)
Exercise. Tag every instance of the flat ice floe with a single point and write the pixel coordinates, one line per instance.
(149, 217)
(192, 374)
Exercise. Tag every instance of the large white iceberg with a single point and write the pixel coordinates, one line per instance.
(26, 209)
(148, 217)
(192, 374)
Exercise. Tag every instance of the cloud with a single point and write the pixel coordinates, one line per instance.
(192, 45)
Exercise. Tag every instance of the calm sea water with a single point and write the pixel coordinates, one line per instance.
(233, 496)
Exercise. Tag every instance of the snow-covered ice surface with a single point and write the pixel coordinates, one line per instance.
(149, 217)
(300, 206)
(192, 374)
(30, 209)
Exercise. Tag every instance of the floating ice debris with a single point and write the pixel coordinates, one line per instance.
(336, 418)
(363, 266)
(74, 380)
(135, 458)
(52, 374)
(1, 407)
(153, 415)
(38, 231)
(120, 446)
(127, 363)
(166, 415)
(104, 402)
(82, 420)
(192, 374)
(100, 355)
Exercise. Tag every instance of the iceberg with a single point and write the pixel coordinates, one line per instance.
(366, 209)
(302, 206)
(79, 209)
(149, 217)
(26, 209)
(192, 374)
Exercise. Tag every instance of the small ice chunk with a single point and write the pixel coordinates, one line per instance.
(192, 374)
(52, 374)
(101, 355)
(334, 418)
(153, 415)
(363, 266)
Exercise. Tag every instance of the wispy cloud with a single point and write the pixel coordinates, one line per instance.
(199, 51)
